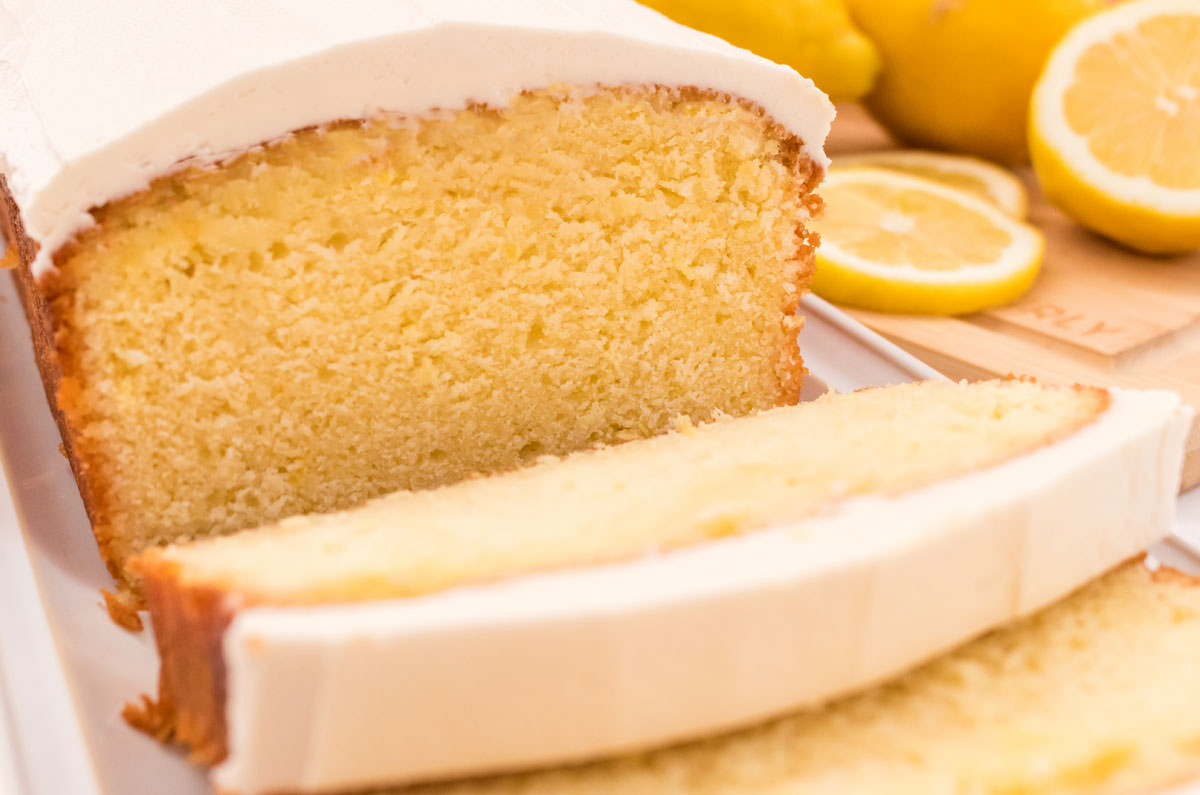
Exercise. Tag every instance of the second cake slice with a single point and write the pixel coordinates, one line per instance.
(667, 588)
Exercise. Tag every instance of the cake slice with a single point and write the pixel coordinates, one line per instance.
(1094, 696)
(659, 590)
(311, 257)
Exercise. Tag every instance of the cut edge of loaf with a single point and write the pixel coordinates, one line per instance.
(55, 353)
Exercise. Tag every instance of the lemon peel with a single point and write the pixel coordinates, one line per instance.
(1118, 148)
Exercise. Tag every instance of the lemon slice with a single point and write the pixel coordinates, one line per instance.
(977, 177)
(1115, 124)
(896, 243)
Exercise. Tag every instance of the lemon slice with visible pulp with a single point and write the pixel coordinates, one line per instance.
(1115, 124)
(980, 178)
(896, 243)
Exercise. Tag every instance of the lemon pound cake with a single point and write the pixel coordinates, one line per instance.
(1093, 696)
(646, 593)
(315, 256)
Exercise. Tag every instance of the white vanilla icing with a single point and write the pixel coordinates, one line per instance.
(97, 99)
(581, 663)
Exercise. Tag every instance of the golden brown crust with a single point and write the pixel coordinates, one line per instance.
(11, 258)
(189, 624)
(49, 344)
(69, 404)
(150, 717)
(790, 368)
(123, 607)
(1167, 574)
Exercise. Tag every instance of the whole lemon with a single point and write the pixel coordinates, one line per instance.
(958, 74)
(814, 37)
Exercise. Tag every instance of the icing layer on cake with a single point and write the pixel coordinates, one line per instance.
(97, 99)
(576, 664)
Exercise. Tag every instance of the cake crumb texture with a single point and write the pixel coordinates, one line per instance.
(401, 303)
(723, 479)
(1093, 696)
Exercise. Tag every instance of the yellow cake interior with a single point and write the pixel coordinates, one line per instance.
(718, 480)
(399, 303)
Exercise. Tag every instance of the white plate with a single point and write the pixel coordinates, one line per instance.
(66, 670)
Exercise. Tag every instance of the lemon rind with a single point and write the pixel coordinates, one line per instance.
(1050, 130)
(860, 291)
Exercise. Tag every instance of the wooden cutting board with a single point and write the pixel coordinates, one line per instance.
(1098, 314)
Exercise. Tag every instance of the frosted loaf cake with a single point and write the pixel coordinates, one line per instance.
(322, 252)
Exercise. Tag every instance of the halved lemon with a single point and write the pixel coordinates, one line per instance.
(895, 243)
(978, 177)
(1115, 124)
